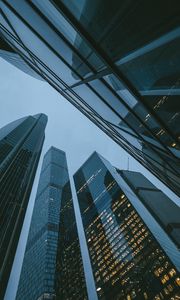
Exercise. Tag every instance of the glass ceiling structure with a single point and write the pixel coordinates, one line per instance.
(116, 61)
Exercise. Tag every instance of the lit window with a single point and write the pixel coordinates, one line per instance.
(178, 281)
(172, 272)
(145, 296)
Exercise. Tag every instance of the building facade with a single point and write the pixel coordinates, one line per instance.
(163, 209)
(38, 275)
(38, 269)
(132, 254)
(117, 62)
(20, 147)
(70, 280)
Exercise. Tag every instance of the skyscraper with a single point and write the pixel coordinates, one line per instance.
(53, 239)
(116, 61)
(20, 147)
(132, 254)
(163, 209)
(38, 269)
(70, 280)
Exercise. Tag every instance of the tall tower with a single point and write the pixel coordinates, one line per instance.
(38, 270)
(132, 253)
(70, 280)
(47, 231)
(20, 147)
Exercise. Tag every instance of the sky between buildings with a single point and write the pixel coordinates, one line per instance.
(67, 129)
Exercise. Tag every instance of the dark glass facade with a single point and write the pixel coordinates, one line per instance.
(70, 280)
(38, 269)
(20, 148)
(39, 279)
(116, 61)
(132, 256)
(165, 211)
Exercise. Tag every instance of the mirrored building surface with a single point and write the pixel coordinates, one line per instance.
(38, 269)
(52, 267)
(8, 54)
(132, 254)
(163, 209)
(20, 147)
(70, 280)
(116, 61)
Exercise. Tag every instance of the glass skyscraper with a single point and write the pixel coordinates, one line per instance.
(116, 61)
(126, 221)
(70, 280)
(38, 269)
(165, 211)
(20, 147)
(52, 240)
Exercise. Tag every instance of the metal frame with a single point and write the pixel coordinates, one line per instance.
(108, 127)
(102, 54)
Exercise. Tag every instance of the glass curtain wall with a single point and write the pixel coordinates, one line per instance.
(131, 255)
(116, 61)
(20, 147)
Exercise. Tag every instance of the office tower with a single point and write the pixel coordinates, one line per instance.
(38, 269)
(132, 255)
(70, 280)
(163, 209)
(20, 147)
(38, 275)
(116, 61)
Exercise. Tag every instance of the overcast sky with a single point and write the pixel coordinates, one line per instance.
(67, 129)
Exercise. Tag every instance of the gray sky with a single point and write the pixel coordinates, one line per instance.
(67, 129)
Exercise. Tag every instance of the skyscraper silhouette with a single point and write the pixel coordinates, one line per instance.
(133, 253)
(52, 266)
(20, 147)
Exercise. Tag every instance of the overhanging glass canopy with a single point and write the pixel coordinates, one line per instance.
(117, 62)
